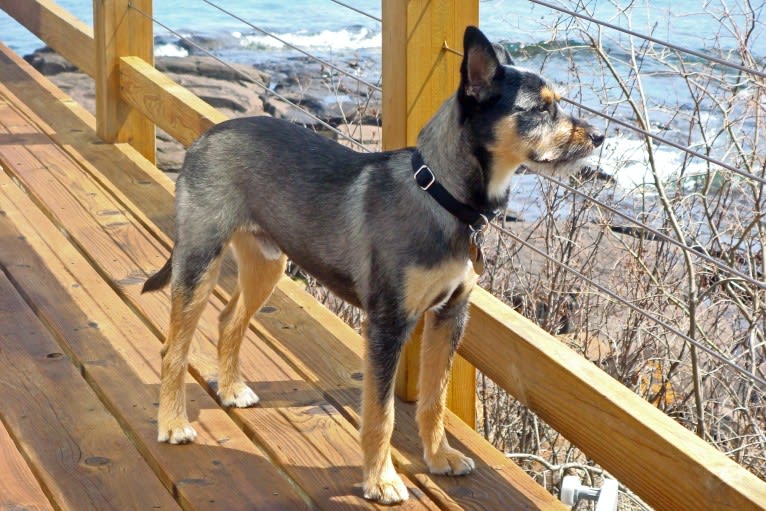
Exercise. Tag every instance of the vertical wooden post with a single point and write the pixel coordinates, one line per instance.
(119, 30)
(418, 76)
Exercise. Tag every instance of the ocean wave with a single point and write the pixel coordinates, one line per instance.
(170, 50)
(356, 38)
(626, 159)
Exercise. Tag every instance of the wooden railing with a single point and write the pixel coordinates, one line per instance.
(666, 465)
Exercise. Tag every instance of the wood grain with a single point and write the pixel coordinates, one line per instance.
(316, 341)
(70, 37)
(78, 450)
(418, 76)
(667, 465)
(324, 350)
(170, 106)
(121, 249)
(18, 487)
(120, 30)
(118, 355)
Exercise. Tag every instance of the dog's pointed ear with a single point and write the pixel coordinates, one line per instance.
(480, 65)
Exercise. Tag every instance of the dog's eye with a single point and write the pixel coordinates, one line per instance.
(542, 107)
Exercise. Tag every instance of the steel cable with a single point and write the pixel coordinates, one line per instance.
(658, 138)
(254, 80)
(642, 312)
(296, 48)
(651, 39)
(659, 234)
(564, 266)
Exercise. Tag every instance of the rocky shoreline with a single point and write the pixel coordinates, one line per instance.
(240, 90)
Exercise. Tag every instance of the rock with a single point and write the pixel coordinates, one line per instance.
(235, 99)
(335, 99)
(49, 63)
(208, 67)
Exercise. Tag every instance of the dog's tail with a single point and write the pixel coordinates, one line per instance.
(159, 279)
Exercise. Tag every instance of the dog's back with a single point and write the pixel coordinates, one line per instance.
(319, 202)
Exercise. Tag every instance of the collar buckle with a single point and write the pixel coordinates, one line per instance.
(476, 220)
(430, 177)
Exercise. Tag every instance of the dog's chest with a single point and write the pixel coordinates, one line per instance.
(430, 288)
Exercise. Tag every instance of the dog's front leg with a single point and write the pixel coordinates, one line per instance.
(441, 336)
(384, 344)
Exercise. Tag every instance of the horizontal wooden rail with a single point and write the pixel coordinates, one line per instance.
(59, 29)
(170, 106)
(665, 464)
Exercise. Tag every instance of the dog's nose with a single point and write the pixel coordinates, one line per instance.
(597, 138)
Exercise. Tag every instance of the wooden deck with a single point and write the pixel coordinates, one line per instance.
(81, 225)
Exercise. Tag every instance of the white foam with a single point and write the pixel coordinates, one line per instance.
(626, 159)
(343, 39)
(170, 50)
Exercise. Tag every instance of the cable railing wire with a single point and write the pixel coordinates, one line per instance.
(753, 377)
(702, 255)
(614, 296)
(296, 48)
(658, 138)
(344, 4)
(255, 80)
(651, 39)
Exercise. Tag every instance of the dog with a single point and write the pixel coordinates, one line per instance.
(395, 233)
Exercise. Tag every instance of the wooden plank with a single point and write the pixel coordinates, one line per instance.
(18, 487)
(118, 355)
(59, 29)
(121, 30)
(665, 464)
(172, 107)
(418, 76)
(394, 64)
(461, 392)
(643, 485)
(78, 450)
(332, 360)
(73, 128)
(321, 453)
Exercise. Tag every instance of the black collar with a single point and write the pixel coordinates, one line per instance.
(426, 180)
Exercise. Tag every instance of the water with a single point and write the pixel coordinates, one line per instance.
(341, 35)
(321, 23)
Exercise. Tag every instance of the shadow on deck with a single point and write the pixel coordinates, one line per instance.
(81, 225)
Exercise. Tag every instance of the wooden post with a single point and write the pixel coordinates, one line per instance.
(418, 76)
(120, 30)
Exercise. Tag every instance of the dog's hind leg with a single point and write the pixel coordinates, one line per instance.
(385, 339)
(441, 335)
(193, 281)
(258, 274)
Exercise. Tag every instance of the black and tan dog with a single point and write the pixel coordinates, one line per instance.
(389, 232)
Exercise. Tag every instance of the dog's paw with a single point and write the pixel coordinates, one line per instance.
(450, 461)
(239, 396)
(176, 432)
(389, 489)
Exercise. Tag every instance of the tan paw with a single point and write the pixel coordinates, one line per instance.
(177, 431)
(450, 461)
(389, 489)
(239, 396)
